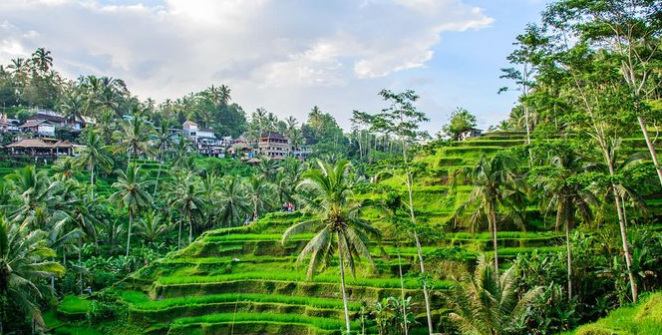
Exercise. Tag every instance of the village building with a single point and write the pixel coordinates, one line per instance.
(274, 145)
(38, 127)
(205, 141)
(41, 147)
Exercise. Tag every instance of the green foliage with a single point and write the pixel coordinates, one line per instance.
(460, 121)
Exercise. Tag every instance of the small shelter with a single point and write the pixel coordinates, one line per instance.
(41, 147)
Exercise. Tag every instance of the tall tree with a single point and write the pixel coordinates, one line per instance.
(460, 121)
(134, 136)
(402, 119)
(337, 223)
(131, 194)
(93, 154)
(24, 263)
(496, 185)
(630, 30)
(531, 48)
(561, 189)
(233, 200)
(186, 195)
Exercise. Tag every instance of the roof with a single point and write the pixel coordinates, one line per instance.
(274, 135)
(33, 123)
(47, 115)
(39, 143)
(63, 144)
(189, 123)
(31, 143)
(240, 146)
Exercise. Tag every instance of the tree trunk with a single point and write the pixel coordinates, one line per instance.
(190, 226)
(92, 180)
(625, 212)
(624, 237)
(158, 174)
(342, 284)
(128, 234)
(526, 108)
(402, 284)
(651, 148)
(493, 228)
(80, 263)
(568, 221)
(419, 249)
(179, 235)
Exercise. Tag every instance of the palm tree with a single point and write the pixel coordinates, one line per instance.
(106, 127)
(80, 212)
(233, 200)
(65, 168)
(486, 303)
(495, 185)
(291, 125)
(260, 193)
(162, 143)
(337, 223)
(151, 226)
(73, 106)
(94, 153)
(560, 189)
(23, 264)
(134, 136)
(187, 197)
(209, 186)
(132, 194)
(32, 196)
(42, 60)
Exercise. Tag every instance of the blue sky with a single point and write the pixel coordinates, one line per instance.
(284, 55)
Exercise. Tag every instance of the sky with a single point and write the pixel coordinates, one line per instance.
(285, 55)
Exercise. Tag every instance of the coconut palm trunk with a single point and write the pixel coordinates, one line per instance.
(80, 263)
(179, 235)
(128, 234)
(493, 230)
(92, 180)
(568, 221)
(190, 226)
(342, 285)
(158, 175)
(651, 148)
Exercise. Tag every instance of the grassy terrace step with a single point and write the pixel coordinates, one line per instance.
(284, 287)
(227, 323)
(288, 277)
(491, 142)
(161, 311)
(152, 305)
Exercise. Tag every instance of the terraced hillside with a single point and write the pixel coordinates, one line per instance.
(243, 280)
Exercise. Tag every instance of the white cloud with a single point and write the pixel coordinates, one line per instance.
(276, 54)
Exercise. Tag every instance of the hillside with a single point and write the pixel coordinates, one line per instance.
(244, 281)
(642, 319)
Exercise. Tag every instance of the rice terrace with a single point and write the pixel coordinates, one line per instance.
(390, 167)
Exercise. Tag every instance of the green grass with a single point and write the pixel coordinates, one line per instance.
(73, 304)
(255, 237)
(642, 319)
(290, 319)
(67, 330)
(232, 297)
(289, 277)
